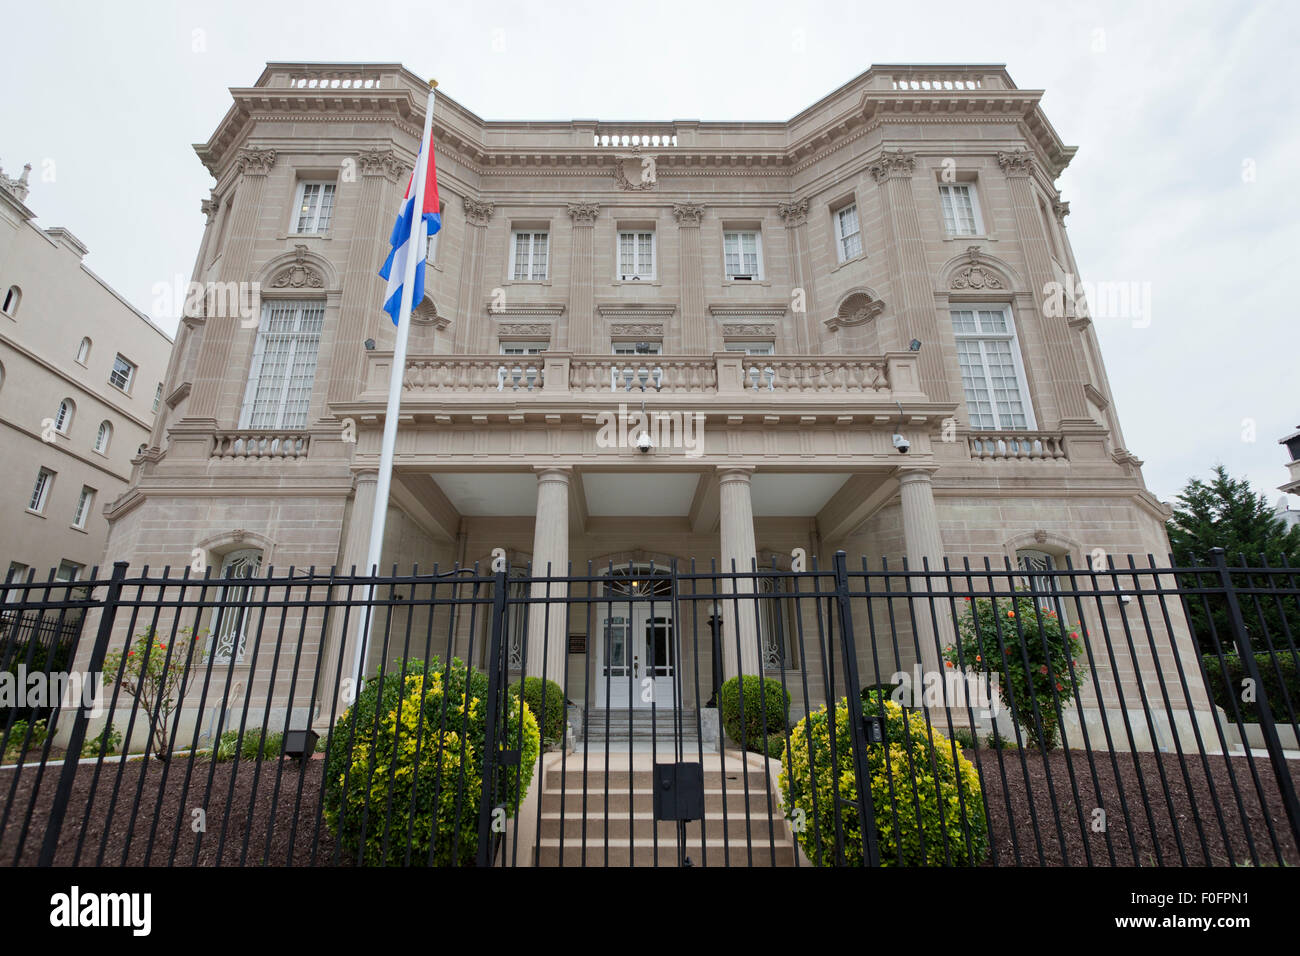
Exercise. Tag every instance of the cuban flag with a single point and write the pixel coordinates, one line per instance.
(394, 269)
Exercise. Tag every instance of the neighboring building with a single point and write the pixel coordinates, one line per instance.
(881, 262)
(1291, 486)
(80, 375)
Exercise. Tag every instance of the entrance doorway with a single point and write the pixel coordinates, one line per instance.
(636, 656)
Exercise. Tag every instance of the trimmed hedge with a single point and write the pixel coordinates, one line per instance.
(416, 778)
(928, 807)
(1268, 665)
(554, 714)
(767, 713)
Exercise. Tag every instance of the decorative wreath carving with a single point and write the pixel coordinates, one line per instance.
(975, 276)
(299, 274)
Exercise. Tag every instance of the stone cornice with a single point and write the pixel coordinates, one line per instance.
(730, 310)
(635, 310)
(551, 309)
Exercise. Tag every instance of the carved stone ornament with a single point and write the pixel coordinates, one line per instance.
(646, 329)
(584, 213)
(1061, 210)
(478, 213)
(975, 276)
(1040, 536)
(735, 331)
(381, 162)
(254, 161)
(688, 213)
(637, 171)
(794, 213)
(299, 275)
(889, 165)
(1016, 163)
(521, 329)
(427, 313)
(209, 208)
(857, 309)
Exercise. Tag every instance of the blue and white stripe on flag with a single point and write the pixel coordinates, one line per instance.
(395, 266)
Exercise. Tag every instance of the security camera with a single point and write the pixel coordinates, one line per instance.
(644, 443)
(901, 443)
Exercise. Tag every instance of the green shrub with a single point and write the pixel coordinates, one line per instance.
(554, 714)
(938, 832)
(766, 713)
(963, 735)
(378, 784)
(108, 742)
(250, 746)
(46, 658)
(1268, 666)
(999, 742)
(14, 748)
(1028, 633)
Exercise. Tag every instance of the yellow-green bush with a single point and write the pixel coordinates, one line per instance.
(378, 788)
(954, 809)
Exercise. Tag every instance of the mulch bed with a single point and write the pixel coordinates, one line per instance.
(1135, 837)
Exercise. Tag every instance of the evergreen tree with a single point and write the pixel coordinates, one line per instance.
(1226, 513)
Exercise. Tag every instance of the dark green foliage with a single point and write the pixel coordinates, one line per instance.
(1226, 513)
(1277, 689)
(766, 713)
(553, 715)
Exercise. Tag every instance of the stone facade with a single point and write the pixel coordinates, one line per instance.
(696, 239)
(64, 409)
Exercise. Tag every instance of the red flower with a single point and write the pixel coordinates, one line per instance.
(978, 658)
(129, 653)
(1059, 687)
(948, 663)
(1043, 669)
(1011, 613)
(1074, 635)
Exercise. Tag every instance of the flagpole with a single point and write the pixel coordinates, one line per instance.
(395, 379)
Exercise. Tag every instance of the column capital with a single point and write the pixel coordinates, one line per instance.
(793, 213)
(584, 213)
(1017, 162)
(913, 473)
(898, 164)
(255, 161)
(688, 213)
(477, 213)
(562, 473)
(728, 473)
(381, 162)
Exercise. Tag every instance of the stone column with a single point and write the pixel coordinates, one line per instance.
(361, 282)
(737, 514)
(1062, 359)
(582, 291)
(922, 542)
(214, 353)
(695, 327)
(807, 334)
(547, 637)
(470, 325)
(356, 542)
(915, 310)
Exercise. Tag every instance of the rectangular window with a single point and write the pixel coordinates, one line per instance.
(960, 210)
(314, 207)
(638, 348)
(82, 513)
(17, 574)
(991, 374)
(157, 397)
(68, 571)
(284, 365)
(122, 375)
(522, 348)
(751, 348)
(743, 255)
(848, 235)
(528, 255)
(636, 255)
(41, 491)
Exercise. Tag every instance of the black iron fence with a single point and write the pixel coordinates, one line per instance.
(1124, 713)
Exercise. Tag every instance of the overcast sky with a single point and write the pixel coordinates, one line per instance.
(1185, 115)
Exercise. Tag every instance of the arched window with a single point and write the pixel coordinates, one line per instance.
(63, 418)
(12, 298)
(83, 351)
(103, 437)
(231, 618)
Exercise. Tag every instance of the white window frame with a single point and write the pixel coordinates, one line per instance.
(63, 417)
(635, 235)
(751, 348)
(757, 276)
(130, 373)
(536, 236)
(1017, 359)
(81, 513)
(83, 350)
(842, 237)
(945, 203)
(303, 345)
(41, 491)
(17, 574)
(629, 348)
(104, 437)
(523, 348)
(317, 220)
(72, 570)
(157, 397)
(13, 298)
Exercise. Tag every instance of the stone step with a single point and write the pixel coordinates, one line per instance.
(739, 830)
(642, 781)
(618, 800)
(623, 852)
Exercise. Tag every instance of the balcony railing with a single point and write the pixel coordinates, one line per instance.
(1016, 446)
(260, 444)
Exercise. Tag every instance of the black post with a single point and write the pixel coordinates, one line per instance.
(491, 748)
(715, 625)
(861, 773)
(59, 809)
(1266, 725)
